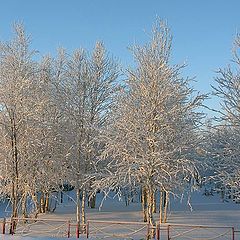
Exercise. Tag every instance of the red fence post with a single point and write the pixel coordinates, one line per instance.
(4, 226)
(87, 229)
(68, 229)
(168, 232)
(148, 229)
(12, 226)
(77, 230)
(157, 231)
(233, 233)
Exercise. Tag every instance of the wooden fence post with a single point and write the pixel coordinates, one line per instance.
(158, 231)
(87, 229)
(233, 233)
(68, 229)
(4, 226)
(168, 232)
(12, 226)
(148, 229)
(77, 230)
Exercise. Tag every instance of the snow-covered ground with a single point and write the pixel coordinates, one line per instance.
(206, 210)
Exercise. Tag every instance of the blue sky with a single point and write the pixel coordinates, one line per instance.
(203, 30)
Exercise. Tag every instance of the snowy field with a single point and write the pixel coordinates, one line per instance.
(206, 210)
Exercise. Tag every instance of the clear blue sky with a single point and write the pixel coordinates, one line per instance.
(203, 30)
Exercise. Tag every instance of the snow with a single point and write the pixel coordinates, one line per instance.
(7, 237)
(207, 210)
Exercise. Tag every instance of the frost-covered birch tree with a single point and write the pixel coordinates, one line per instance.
(222, 157)
(224, 139)
(152, 136)
(86, 85)
(46, 152)
(30, 147)
(17, 72)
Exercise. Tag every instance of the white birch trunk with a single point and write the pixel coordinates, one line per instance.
(78, 205)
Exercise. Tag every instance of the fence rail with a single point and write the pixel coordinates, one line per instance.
(58, 227)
